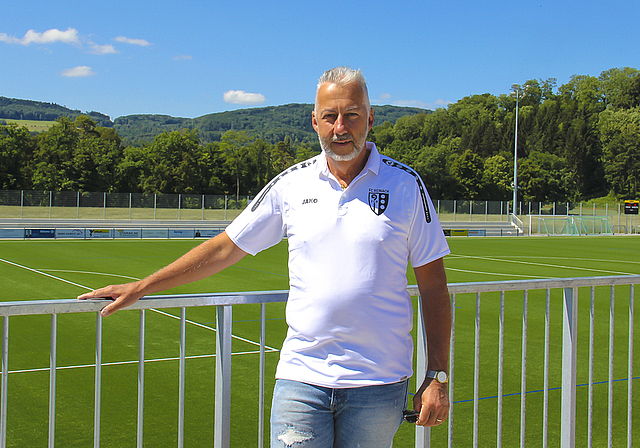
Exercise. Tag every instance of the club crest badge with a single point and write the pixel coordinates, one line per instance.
(378, 201)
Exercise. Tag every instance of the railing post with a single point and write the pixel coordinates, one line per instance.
(182, 375)
(52, 379)
(98, 383)
(222, 418)
(476, 373)
(423, 435)
(612, 304)
(263, 341)
(569, 363)
(5, 381)
(630, 370)
(140, 424)
(523, 381)
(500, 370)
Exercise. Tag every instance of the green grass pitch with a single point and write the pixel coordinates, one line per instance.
(92, 264)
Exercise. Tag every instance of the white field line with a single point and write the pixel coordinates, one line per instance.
(43, 273)
(492, 273)
(152, 309)
(197, 324)
(119, 363)
(104, 274)
(602, 271)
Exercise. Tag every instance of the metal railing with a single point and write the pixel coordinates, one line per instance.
(460, 292)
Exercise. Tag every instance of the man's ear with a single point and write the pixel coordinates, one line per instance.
(314, 121)
(370, 118)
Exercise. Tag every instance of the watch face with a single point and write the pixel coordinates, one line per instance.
(441, 377)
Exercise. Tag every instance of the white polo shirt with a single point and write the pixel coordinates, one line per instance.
(348, 311)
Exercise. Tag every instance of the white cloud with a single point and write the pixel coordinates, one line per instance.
(441, 103)
(182, 57)
(127, 40)
(242, 97)
(103, 49)
(385, 96)
(70, 36)
(78, 72)
(411, 103)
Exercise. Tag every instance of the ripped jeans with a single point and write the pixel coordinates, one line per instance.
(307, 416)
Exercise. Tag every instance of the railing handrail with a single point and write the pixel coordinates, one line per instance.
(62, 306)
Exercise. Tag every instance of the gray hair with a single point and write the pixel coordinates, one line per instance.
(344, 76)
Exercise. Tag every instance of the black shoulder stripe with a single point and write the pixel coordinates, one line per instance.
(423, 193)
(266, 189)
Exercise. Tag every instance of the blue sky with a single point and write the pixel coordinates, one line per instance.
(191, 58)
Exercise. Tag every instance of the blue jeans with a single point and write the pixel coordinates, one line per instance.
(309, 416)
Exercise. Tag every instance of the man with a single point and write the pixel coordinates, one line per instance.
(353, 219)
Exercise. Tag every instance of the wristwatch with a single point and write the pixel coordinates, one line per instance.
(439, 375)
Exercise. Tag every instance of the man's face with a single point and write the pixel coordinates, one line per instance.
(342, 120)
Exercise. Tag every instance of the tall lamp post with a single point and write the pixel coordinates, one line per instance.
(518, 91)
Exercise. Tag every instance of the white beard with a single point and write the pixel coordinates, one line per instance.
(358, 146)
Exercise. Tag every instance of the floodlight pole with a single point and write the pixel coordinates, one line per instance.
(516, 89)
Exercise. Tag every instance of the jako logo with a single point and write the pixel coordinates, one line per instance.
(309, 201)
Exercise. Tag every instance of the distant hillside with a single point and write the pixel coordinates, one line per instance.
(14, 109)
(271, 124)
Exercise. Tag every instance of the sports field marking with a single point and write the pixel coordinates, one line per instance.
(69, 271)
(257, 270)
(41, 272)
(530, 263)
(118, 363)
(44, 273)
(492, 273)
(197, 324)
(515, 394)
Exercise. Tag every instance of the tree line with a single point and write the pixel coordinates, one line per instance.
(78, 155)
(575, 142)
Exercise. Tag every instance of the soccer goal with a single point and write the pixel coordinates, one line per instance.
(569, 225)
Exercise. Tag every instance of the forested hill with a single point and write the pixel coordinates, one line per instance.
(271, 124)
(15, 109)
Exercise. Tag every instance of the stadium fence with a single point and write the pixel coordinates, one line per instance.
(22, 204)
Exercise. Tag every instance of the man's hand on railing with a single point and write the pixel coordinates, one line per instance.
(122, 295)
(207, 259)
(432, 401)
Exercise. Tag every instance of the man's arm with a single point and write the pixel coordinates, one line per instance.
(207, 259)
(432, 398)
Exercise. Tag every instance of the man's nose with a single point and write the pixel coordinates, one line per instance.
(339, 127)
